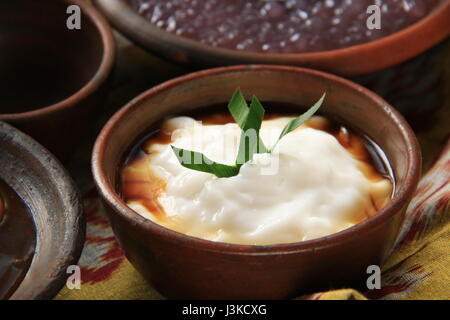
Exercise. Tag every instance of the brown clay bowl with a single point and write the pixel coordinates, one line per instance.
(180, 266)
(351, 61)
(44, 185)
(52, 76)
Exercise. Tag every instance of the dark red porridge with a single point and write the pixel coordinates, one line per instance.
(283, 26)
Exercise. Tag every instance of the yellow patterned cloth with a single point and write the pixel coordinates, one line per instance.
(419, 267)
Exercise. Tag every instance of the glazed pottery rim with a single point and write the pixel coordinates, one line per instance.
(73, 236)
(101, 74)
(128, 15)
(401, 195)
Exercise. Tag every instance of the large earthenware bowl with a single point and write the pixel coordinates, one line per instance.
(53, 75)
(55, 206)
(351, 61)
(180, 266)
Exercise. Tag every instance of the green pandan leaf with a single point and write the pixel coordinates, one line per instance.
(238, 108)
(198, 161)
(240, 111)
(248, 144)
(297, 122)
(249, 120)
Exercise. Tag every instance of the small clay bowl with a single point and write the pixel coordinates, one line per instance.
(351, 61)
(180, 266)
(55, 205)
(51, 76)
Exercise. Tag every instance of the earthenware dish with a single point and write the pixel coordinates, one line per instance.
(52, 77)
(350, 61)
(180, 266)
(44, 185)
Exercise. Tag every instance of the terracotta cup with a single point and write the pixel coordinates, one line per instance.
(56, 210)
(180, 266)
(52, 76)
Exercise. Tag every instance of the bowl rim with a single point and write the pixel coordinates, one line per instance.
(74, 221)
(113, 199)
(128, 21)
(100, 76)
